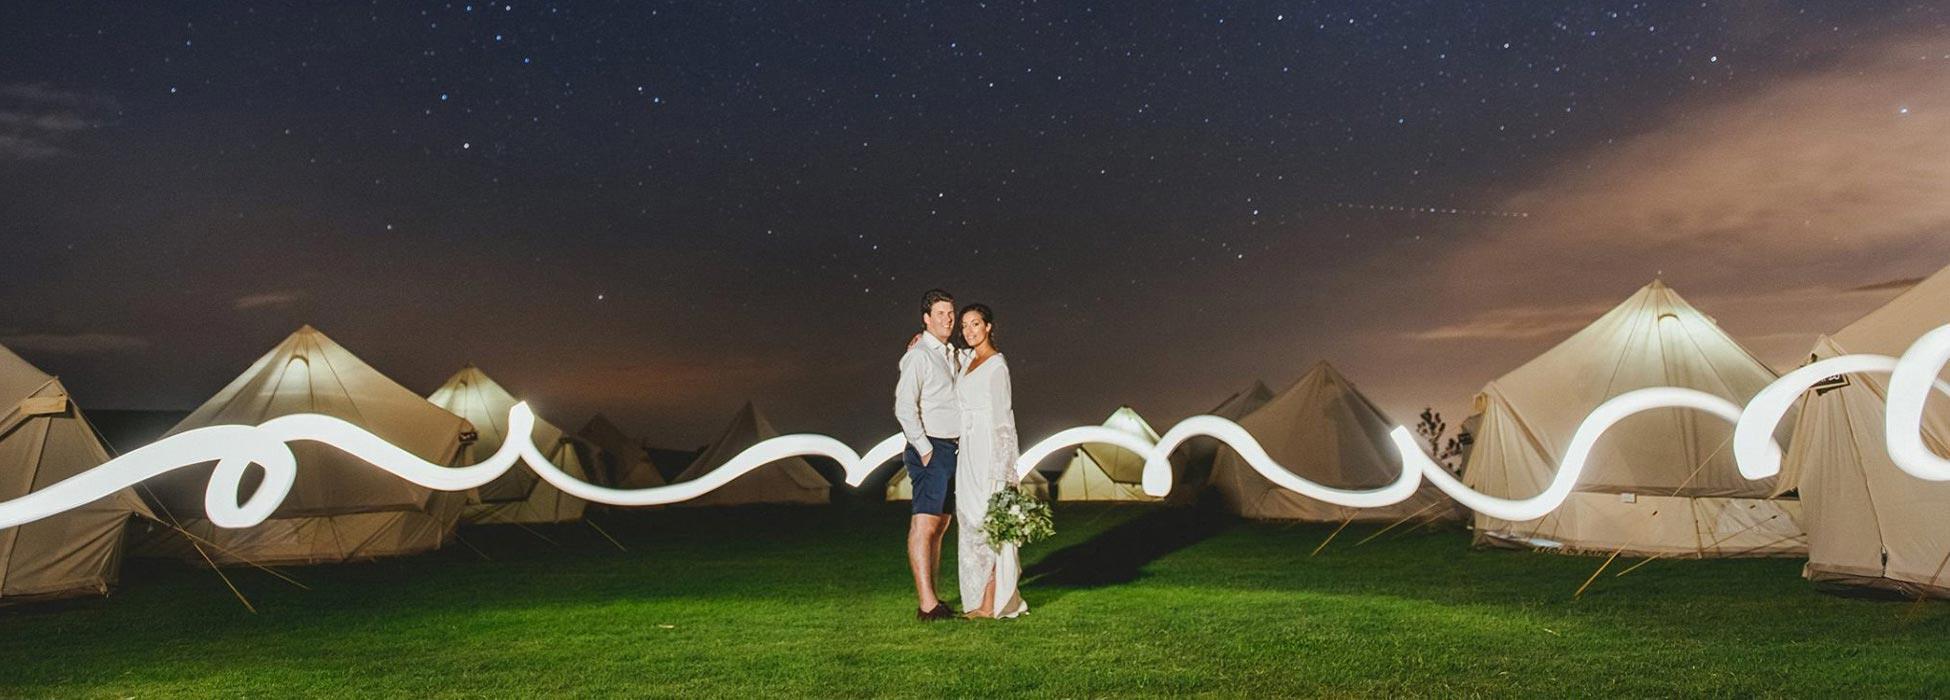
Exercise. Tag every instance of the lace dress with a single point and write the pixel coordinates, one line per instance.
(988, 454)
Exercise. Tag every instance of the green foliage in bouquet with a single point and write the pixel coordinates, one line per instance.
(1017, 517)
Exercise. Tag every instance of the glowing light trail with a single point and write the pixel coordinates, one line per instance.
(235, 447)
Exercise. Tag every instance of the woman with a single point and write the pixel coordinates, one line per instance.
(988, 460)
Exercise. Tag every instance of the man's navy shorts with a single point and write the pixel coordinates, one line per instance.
(934, 484)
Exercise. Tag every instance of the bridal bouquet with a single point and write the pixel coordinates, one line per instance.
(1016, 517)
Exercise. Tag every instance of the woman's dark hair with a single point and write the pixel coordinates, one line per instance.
(988, 317)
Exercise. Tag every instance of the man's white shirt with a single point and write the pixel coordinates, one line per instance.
(924, 400)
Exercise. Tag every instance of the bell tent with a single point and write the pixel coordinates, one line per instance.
(1662, 482)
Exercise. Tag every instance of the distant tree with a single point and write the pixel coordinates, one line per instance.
(1452, 451)
(1446, 453)
(1431, 429)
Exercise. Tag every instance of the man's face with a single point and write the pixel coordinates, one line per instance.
(940, 319)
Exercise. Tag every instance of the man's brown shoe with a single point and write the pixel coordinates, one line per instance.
(940, 612)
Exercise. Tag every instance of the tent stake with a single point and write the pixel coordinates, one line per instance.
(226, 579)
(1635, 567)
(1922, 597)
(1418, 526)
(193, 539)
(1330, 536)
(1714, 545)
(470, 546)
(199, 550)
(600, 531)
(1392, 525)
(537, 535)
(1594, 575)
(219, 572)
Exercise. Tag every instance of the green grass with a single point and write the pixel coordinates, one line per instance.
(1131, 601)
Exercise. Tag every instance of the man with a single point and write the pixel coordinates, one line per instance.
(924, 403)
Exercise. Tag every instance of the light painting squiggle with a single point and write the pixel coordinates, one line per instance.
(235, 447)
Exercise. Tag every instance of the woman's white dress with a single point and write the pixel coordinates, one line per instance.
(988, 452)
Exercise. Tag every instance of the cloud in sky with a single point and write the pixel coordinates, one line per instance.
(1515, 323)
(1784, 211)
(1802, 176)
(267, 300)
(38, 121)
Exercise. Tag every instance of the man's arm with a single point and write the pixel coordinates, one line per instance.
(907, 406)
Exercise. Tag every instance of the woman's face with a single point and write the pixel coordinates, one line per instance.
(974, 329)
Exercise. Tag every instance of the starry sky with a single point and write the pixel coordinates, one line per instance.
(660, 210)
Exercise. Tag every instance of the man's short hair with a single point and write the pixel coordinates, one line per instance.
(934, 296)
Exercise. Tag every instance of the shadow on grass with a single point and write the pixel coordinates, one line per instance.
(1119, 554)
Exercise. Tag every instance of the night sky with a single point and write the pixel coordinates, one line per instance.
(660, 210)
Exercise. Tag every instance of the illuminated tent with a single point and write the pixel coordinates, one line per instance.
(791, 480)
(1324, 430)
(621, 462)
(1869, 523)
(340, 508)
(1192, 461)
(1661, 482)
(1099, 472)
(44, 439)
(900, 489)
(519, 496)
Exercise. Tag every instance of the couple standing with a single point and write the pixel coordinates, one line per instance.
(955, 412)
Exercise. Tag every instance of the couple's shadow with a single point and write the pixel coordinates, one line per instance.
(1119, 554)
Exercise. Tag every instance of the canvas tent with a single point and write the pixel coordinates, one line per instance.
(1662, 482)
(791, 480)
(520, 496)
(44, 439)
(339, 508)
(900, 489)
(1324, 430)
(1099, 472)
(1192, 462)
(1868, 522)
(1242, 404)
(621, 462)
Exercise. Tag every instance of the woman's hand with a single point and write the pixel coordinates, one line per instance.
(913, 340)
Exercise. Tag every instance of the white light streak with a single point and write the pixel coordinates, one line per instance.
(235, 447)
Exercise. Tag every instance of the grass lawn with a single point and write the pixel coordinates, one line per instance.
(1127, 601)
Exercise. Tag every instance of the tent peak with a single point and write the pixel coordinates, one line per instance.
(1322, 367)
